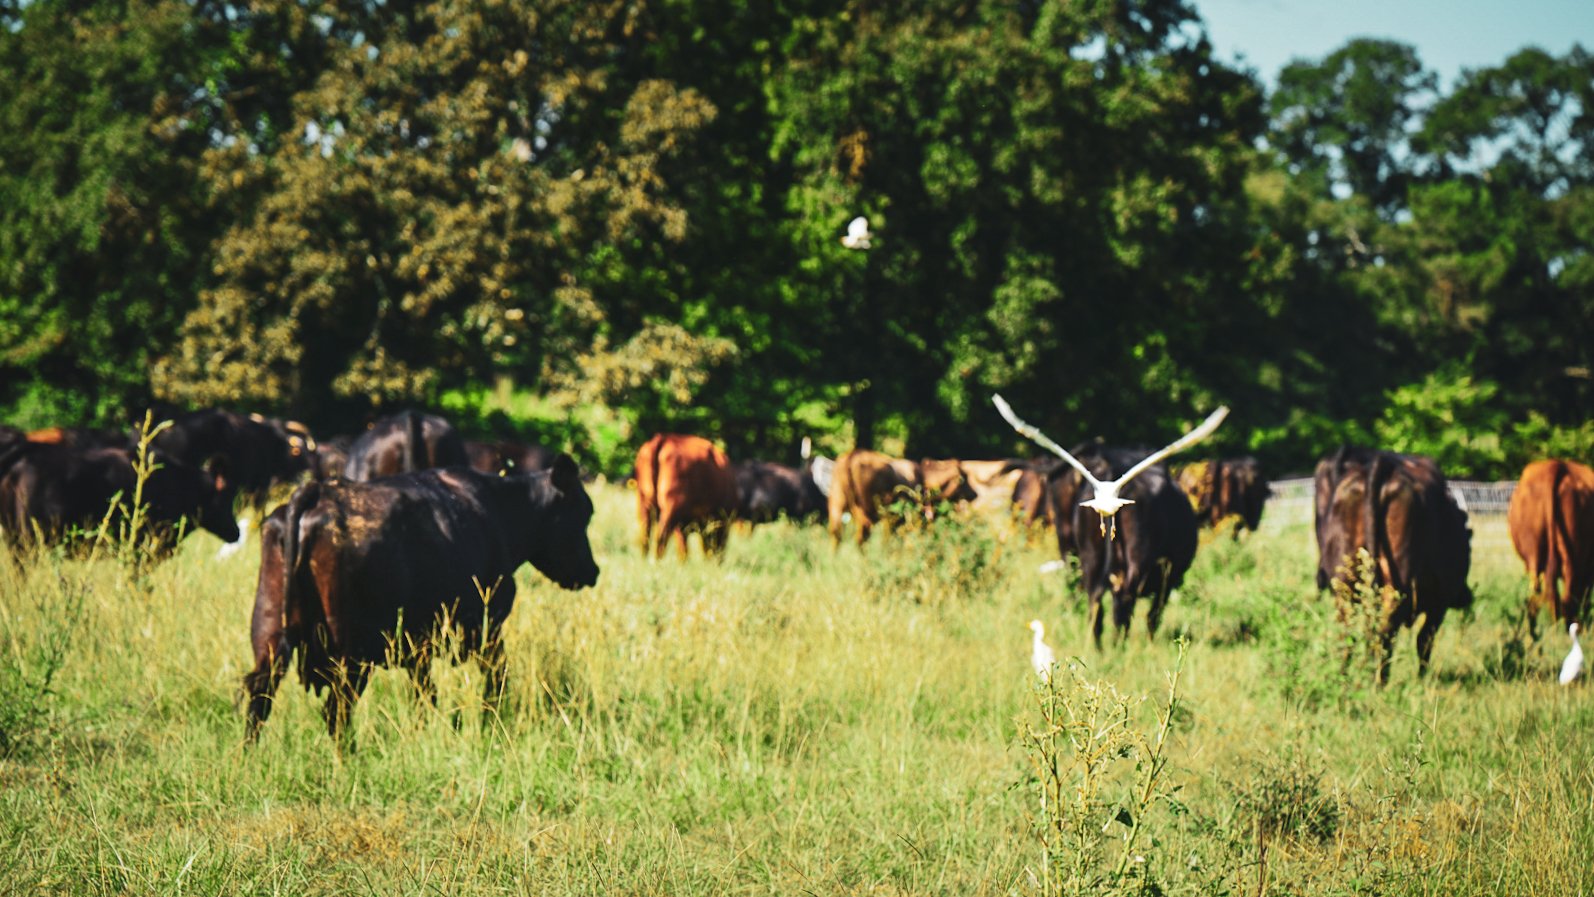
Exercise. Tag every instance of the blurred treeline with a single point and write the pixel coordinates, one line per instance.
(585, 221)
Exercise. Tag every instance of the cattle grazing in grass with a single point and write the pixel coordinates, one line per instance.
(684, 484)
(1551, 519)
(260, 452)
(506, 455)
(1399, 510)
(1226, 487)
(47, 490)
(404, 443)
(359, 575)
(866, 483)
(1151, 549)
(767, 491)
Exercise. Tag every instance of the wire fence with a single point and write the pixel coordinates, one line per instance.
(1292, 502)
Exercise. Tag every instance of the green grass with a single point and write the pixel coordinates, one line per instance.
(793, 720)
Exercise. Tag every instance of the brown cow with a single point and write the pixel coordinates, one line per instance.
(1552, 527)
(1226, 487)
(865, 482)
(1397, 508)
(686, 484)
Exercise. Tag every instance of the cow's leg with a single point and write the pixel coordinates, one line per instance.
(1097, 623)
(260, 686)
(865, 526)
(1425, 637)
(645, 516)
(1159, 597)
(715, 535)
(1123, 613)
(347, 684)
(669, 526)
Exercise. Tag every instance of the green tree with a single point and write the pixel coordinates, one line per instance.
(102, 228)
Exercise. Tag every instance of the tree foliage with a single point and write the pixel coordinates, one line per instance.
(325, 210)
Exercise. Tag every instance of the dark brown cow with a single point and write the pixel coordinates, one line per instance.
(1029, 504)
(1226, 487)
(357, 575)
(1552, 528)
(1397, 508)
(49, 489)
(685, 484)
(767, 491)
(260, 452)
(865, 483)
(1153, 545)
(404, 443)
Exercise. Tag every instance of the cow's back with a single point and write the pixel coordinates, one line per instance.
(694, 478)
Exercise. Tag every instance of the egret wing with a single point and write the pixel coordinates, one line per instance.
(1041, 439)
(1178, 445)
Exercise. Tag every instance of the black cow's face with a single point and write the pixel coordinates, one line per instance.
(216, 502)
(562, 552)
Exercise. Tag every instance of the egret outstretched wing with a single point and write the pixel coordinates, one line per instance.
(1178, 445)
(1041, 439)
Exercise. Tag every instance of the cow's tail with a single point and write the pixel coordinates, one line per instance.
(647, 495)
(415, 448)
(1377, 472)
(304, 498)
(1556, 540)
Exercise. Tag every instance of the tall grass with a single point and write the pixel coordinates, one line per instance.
(796, 719)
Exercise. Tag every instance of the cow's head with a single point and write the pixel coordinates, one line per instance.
(560, 550)
(944, 480)
(217, 493)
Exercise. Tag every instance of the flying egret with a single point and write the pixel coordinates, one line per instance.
(857, 234)
(1106, 501)
(1572, 666)
(1041, 656)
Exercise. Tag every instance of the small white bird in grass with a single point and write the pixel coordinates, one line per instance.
(1041, 656)
(1572, 666)
(857, 234)
(1106, 501)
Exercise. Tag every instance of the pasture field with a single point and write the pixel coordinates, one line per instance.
(790, 721)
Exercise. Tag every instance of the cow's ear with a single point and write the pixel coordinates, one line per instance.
(216, 466)
(565, 475)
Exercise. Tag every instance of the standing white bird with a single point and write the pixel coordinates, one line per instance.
(1041, 656)
(1106, 501)
(1572, 666)
(857, 234)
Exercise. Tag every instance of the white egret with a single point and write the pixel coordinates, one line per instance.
(857, 234)
(1041, 656)
(1106, 501)
(1572, 666)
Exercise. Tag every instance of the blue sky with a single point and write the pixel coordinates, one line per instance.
(1449, 35)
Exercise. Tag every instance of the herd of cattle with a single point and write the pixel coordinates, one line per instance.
(408, 523)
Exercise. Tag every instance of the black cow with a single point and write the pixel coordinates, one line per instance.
(1154, 543)
(506, 455)
(51, 489)
(1226, 487)
(403, 443)
(349, 569)
(1346, 461)
(1398, 508)
(766, 491)
(260, 452)
(331, 457)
